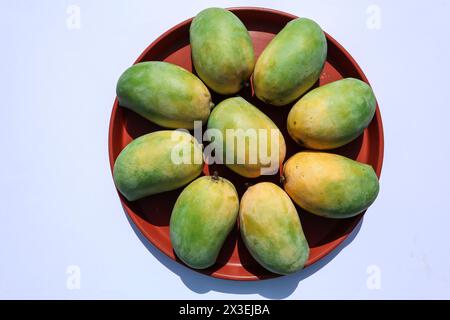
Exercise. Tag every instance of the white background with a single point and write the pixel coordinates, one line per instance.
(58, 203)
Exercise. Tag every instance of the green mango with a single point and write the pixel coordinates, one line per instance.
(247, 128)
(330, 185)
(332, 115)
(165, 94)
(271, 229)
(203, 216)
(222, 50)
(148, 166)
(291, 63)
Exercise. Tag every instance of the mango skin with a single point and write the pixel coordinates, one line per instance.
(332, 115)
(236, 113)
(165, 94)
(291, 63)
(271, 229)
(203, 216)
(144, 167)
(222, 50)
(330, 185)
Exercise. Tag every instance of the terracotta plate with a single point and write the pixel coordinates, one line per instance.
(152, 214)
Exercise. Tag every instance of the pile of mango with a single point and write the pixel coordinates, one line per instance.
(324, 118)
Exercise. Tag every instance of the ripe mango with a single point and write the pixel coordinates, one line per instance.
(271, 229)
(222, 50)
(332, 115)
(165, 94)
(146, 166)
(246, 138)
(203, 216)
(330, 185)
(291, 63)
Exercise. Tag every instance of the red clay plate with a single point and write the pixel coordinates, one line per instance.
(152, 214)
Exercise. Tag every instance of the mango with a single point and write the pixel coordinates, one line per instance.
(291, 63)
(157, 162)
(330, 185)
(203, 216)
(222, 50)
(332, 115)
(165, 94)
(251, 143)
(271, 229)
